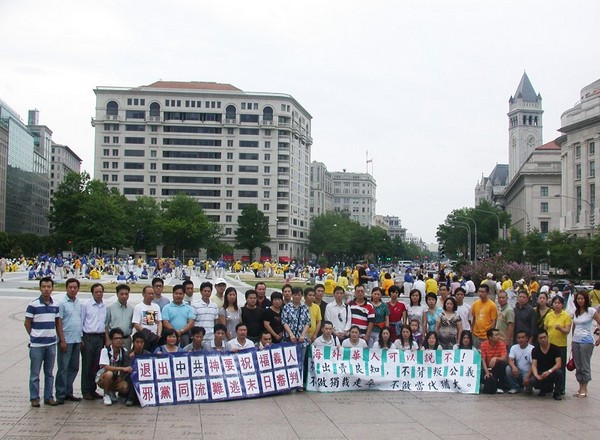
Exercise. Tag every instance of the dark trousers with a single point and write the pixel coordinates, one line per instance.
(90, 356)
(554, 382)
(496, 380)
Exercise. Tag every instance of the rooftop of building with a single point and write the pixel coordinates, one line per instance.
(525, 91)
(191, 85)
(552, 145)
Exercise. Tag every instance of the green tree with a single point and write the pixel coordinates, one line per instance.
(184, 225)
(252, 231)
(332, 236)
(144, 233)
(89, 214)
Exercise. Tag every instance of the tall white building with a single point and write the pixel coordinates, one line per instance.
(225, 147)
(579, 155)
(64, 161)
(321, 189)
(355, 193)
(525, 125)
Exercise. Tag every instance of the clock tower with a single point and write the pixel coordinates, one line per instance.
(524, 125)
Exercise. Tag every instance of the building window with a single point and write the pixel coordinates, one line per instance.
(105, 165)
(152, 153)
(115, 152)
(230, 168)
(266, 182)
(153, 141)
(544, 207)
(229, 205)
(592, 168)
(152, 166)
(266, 207)
(230, 143)
(267, 144)
(115, 139)
(231, 131)
(544, 191)
(227, 231)
(577, 151)
(105, 177)
(115, 178)
(229, 193)
(229, 155)
(267, 156)
(106, 152)
(592, 148)
(267, 169)
(578, 171)
(152, 191)
(152, 179)
(578, 203)
(267, 194)
(228, 219)
(106, 139)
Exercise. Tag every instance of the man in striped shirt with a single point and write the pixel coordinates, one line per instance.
(362, 313)
(44, 328)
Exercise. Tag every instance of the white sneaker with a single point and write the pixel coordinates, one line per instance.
(107, 400)
(499, 391)
(113, 397)
(513, 391)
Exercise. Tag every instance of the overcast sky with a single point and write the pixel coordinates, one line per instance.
(422, 85)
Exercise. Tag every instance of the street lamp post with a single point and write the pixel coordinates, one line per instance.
(468, 228)
(592, 221)
(497, 218)
(548, 253)
(475, 235)
(526, 217)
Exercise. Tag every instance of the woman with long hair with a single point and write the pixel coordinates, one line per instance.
(230, 315)
(405, 340)
(449, 324)
(465, 342)
(583, 340)
(415, 310)
(541, 311)
(385, 340)
(431, 341)
(432, 312)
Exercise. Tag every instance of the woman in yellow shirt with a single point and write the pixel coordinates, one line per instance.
(329, 285)
(558, 324)
(387, 283)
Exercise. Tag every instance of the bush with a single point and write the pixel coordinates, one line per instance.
(498, 266)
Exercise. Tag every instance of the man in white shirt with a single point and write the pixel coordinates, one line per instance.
(327, 339)
(146, 315)
(463, 310)
(207, 312)
(240, 342)
(339, 314)
(519, 364)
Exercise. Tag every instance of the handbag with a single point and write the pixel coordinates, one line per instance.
(571, 363)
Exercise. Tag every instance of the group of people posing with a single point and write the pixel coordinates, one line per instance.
(521, 348)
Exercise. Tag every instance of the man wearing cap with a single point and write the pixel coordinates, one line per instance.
(489, 281)
(218, 297)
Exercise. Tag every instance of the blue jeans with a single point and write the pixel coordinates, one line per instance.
(68, 367)
(514, 383)
(39, 355)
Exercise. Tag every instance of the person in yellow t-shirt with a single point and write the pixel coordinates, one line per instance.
(431, 285)
(558, 324)
(342, 280)
(387, 282)
(315, 314)
(485, 315)
(507, 283)
(355, 275)
(329, 284)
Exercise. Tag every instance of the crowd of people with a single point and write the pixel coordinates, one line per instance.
(522, 348)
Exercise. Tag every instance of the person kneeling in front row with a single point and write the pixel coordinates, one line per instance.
(115, 365)
(546, 374)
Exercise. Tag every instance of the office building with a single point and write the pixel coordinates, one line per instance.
(221, 145)
(27, 179)
(355, 193)
(63, 161)
(579, 155)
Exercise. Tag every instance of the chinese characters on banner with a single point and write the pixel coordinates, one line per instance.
(194, 377)
(334, 369)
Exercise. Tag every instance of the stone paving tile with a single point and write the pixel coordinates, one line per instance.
(385, 431)
(257, 430)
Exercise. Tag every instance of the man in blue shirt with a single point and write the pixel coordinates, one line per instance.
(93, 318)
(69, 311)
(179, 316)
(44, 328)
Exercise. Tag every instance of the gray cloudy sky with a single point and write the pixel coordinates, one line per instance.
(422, 85)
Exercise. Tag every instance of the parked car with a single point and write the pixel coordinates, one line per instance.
(561, 283)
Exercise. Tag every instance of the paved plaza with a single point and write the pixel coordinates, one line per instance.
(353, 415)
